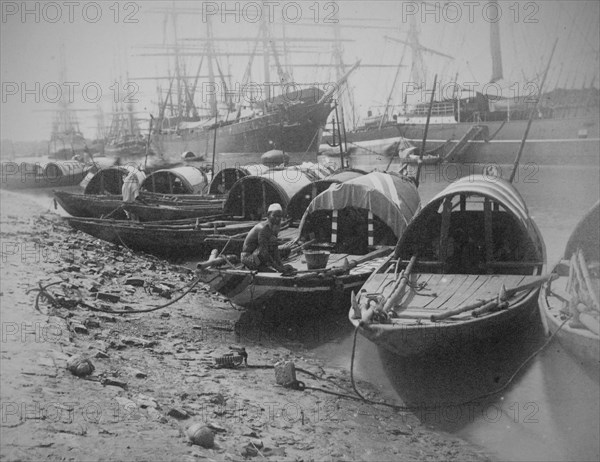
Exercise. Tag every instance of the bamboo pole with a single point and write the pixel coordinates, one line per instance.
(148, 142)
(531, 114)
(425, 133)
(398, 292)
(587, 279)
(509, 293)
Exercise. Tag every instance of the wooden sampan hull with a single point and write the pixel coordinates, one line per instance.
(581, 343)
(415, 339)
(252, 290)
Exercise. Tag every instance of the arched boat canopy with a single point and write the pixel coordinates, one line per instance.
(392, 199)
(316, 171)
(250, 196)
(226, 177)
(344, 175)
(107, 180)
(179, 180)
(586, 236)
(301, 200)
(54, 171)
(476, 225)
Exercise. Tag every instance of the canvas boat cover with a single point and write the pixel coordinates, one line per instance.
(107, 180)
(179, 180)
(301, 200)
(493, 188)
(392, 198)
(251, 195)
(226, 177)
(346, 174)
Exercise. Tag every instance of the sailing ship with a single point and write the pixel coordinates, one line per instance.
(567, 121)
(238, 133)
(125, 140)
(66, 140)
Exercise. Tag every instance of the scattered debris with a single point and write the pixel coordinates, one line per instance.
(201, 435)
(108, 297)
(178, 414)
(80, 366)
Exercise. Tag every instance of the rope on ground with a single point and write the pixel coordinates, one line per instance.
(44, 293)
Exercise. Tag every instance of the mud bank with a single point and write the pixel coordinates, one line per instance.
(155, 372)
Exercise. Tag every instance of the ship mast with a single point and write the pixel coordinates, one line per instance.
(210, 53)
(495, 49)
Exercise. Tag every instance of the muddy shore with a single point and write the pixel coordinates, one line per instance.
(155, 372)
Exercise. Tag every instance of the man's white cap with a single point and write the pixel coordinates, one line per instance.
(274, 208)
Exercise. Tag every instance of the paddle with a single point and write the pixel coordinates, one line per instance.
(488, 303)
(347, 266)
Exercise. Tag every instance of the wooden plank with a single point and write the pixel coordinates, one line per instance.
(446, 281)
(376, 282)
(461, 297)
(415, 300)
(335, 258)
(440, 302)
(494, 283)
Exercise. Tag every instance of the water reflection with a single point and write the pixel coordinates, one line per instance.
(459, 383)
(551, 410)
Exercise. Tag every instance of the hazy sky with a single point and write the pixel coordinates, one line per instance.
(105, 40)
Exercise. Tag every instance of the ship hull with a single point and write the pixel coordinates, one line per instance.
(296, 131)
(550, 141)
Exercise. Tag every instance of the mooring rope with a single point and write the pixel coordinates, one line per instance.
(460, 403)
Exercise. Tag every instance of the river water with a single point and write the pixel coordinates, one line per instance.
(550, 411)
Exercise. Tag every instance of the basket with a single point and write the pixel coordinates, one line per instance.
(316, 259)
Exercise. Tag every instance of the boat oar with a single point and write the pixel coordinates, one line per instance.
(488, 303)
(296, 250)
(490, 307)
(398, 291)
(347, 266)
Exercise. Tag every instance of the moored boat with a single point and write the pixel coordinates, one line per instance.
(27, 175)
(468, 267)
(171, 239)
(569, 303)
(351, 227)
(165, 195)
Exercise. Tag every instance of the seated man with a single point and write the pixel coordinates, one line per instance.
(260, 251)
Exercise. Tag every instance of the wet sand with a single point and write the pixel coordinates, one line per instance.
(155, 372)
